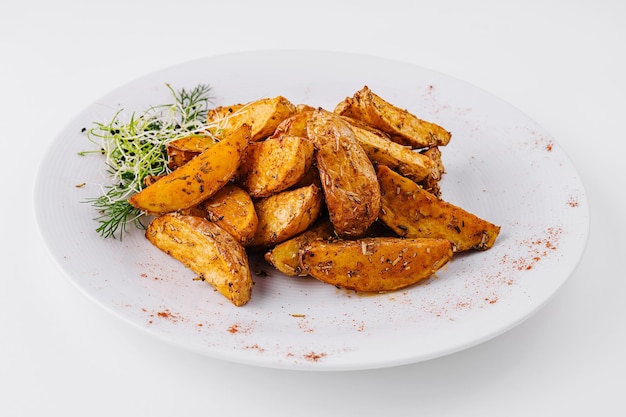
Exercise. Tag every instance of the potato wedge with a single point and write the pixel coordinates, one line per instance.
(286, 214)
(403, 126)
(380, 149)
(413, 212)
(198, 179)
(351, 190)
(233, 210)
(285, 256)
(274, 164)
(184, 149)
(294, 125)
(375, 264)
(207, 250)
(263, 116)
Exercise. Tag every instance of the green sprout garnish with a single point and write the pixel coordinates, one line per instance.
(137, 149)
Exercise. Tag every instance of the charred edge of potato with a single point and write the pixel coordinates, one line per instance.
(207, 250)
(413, 212)
(377, 264)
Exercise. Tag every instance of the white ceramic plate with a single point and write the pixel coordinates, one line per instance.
(500, 165)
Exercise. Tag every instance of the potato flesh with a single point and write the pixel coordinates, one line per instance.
(207, 250)
(375, 264)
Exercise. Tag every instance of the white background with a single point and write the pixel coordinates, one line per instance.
(562, 63)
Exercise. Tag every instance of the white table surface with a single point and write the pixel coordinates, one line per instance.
(560, 62)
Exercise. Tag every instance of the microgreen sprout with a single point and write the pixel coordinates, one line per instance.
(136, 150)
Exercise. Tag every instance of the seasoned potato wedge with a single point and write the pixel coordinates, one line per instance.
(263, 116)
(285, 256)
(207, 250)
(233, 210)
(380, 149)
(274, 164)
(375, 264)
(351, 190)
(294, 125)
(184, 149)
(286, 214)
(403, 126)
(198, 179)
(413, 212)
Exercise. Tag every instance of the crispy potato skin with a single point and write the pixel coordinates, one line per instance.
(285, 256)
(207, 250)
(402, 126)
(413, 212)
(274, 164)
(286, 214)
(198, 179)
(375, 264)
(233, 210)
(351, 190)
(294, 125)
(263, 116)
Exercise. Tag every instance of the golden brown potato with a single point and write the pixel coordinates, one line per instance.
(431, 182)
(198, 179)
(233, 210)
(294, 125)
(263, 116)
(380, 149)
(375, 264)
(413, 212)
(285, 256)
(286, 214)
(207, 250)
(184, 149)
(348, 178)
(274, 164)
(403, 126)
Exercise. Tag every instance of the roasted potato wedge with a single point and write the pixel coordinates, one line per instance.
(402, 126)
(207, 250)
(351, 190)
(263, 116)
(198, 179)
(285, 256)
(294, 125)
(374, 264)
(184, 149)
(274, 164)
(233, 210)
(380, 149)
(413, 212)
(286, 214)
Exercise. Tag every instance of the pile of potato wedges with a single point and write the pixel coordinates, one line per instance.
(348, 196)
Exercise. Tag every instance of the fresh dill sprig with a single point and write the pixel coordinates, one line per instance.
(136, 150)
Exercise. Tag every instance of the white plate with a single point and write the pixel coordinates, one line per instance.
(500, 165)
